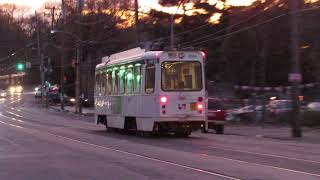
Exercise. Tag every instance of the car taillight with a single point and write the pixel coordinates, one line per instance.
(200, 99)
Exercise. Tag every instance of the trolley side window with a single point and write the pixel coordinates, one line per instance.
(97, 84)
(122, 80)
(137, 79)
(150, 78)
(109, 83)
(103, 83)
(129, 79)
(115, 80)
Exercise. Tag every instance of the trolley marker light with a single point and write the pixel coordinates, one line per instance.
(164, 99)
(203, 54)
(200, 108)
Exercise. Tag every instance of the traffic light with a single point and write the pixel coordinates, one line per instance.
(20, 66)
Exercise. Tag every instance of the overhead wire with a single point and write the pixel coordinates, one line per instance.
(234, 25)
(246, 28)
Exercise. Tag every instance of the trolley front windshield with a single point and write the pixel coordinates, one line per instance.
(181, 76)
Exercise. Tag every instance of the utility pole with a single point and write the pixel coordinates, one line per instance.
(78, 107)
(295, 77)
(52, 14)
(137, 23)
(40, 56)
(62, 60)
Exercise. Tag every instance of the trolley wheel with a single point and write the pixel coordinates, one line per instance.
(203, 130)
(182, 134)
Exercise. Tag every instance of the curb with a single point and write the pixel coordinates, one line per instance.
(71, 112)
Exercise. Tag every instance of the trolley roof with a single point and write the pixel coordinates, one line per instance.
(138, 54)
(131, 55)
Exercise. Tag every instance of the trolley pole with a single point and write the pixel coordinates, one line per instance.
(295, 77)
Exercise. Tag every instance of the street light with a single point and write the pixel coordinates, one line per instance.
(78, 108)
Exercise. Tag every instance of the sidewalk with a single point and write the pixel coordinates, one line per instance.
(85, 111)
(279, 132)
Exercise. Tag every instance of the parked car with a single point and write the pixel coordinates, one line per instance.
(313, 106)
(216, 115)
(277, 107)
(55, 97)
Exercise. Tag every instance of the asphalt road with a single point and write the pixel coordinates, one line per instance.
(44, 144)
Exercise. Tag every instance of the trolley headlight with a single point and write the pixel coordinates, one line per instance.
(12, 90)
(19, 89)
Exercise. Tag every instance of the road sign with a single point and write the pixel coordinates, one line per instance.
(28, 65)
(295, 77)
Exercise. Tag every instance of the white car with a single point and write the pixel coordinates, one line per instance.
(38, 92)
(3, 94)
(280, 106)
(314, 106)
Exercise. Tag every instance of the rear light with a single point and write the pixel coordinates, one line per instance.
(200, 106)
(163, 111)
(203, 54)
(200, 99)
(164, 99)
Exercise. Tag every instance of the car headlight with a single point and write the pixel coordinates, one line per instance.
(19, 89)
(72, 100)
(12, 89)
(3, 94)
(36, 89)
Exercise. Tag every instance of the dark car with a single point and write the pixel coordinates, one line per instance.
(216, 115)
(54, 97)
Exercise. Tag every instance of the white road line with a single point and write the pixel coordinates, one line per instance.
(269, 166)
(14, 114)
(14, 119)
(13, 125)
(129, 153)
(175, 164)
(264, 154)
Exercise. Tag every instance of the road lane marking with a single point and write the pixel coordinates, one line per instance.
(14, 114)
(172, 163)
(264, 154)
(129, 153)
(11, 118)
(13, 125)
